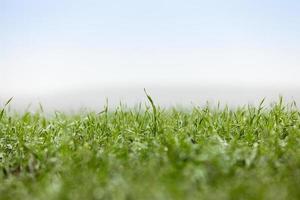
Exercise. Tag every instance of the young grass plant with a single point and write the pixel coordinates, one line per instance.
(204, 153)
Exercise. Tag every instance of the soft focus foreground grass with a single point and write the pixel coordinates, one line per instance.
(204, 153)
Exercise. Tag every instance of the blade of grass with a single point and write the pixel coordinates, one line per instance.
(3, 109)
(154, 128)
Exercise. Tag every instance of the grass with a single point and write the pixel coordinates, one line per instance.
(151, 153)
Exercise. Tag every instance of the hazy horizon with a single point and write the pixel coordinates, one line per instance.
(185, 96)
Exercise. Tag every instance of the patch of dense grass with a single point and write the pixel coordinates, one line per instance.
(205, 153)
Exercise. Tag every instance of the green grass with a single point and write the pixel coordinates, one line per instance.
(152, 153)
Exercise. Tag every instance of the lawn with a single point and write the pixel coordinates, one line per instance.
(147, 152)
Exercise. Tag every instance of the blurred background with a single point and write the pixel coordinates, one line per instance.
(69, 54)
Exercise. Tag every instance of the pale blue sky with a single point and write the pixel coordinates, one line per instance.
(154, 23)
(47, 46)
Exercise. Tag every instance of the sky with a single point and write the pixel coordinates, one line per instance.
(58, 45)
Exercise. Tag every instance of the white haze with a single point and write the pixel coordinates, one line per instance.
(70, 78)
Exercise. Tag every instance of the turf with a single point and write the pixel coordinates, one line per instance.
(152, 153)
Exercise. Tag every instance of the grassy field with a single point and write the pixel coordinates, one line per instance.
(152, 153)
